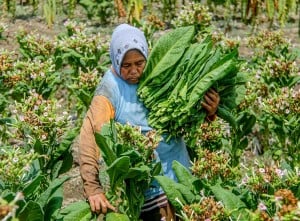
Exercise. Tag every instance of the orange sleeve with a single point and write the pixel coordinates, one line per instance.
(99, 113)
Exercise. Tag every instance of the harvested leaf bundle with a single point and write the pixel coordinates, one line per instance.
(177, 76)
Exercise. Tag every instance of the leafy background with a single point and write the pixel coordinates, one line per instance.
(37, 24)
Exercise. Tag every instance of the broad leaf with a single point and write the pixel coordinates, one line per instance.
(32, 185)
(173, 194)
(167, 52)
(54, 185)
(108, 154)
(54, 204)
(116, 217)
(118, 170)
(230, 201)
(183, 175)
(79, 211)
(32, 212)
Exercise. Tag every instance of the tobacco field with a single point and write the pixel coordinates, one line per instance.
(245, 165)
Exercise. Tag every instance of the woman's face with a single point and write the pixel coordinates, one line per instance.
(133, 66)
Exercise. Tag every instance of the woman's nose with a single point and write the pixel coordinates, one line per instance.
(134, 69)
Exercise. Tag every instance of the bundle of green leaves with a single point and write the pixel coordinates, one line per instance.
(179, 72)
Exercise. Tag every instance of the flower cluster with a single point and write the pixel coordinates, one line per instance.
(193, 14)
(209, 134)
(267, 41)
(206, 209)
(8, 209)
(280, 67)
(45, 119)
(212, 165)
(287, 207)
(34, 45)
(287, 204)
(256, 92)
(268, 178)
(15, 164)
(6, 61)
(25, 76)
(131, 136)
(287, 101)
(81, 42)
(155, 22)
(74, 27)
(88, 80)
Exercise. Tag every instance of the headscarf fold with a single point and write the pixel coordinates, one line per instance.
(125, 38)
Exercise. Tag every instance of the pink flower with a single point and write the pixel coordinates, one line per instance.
(262, 207)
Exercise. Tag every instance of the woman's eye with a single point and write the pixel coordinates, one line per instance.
(140, 63)
(125, 65)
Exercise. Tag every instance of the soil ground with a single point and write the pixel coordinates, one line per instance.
(73, 189)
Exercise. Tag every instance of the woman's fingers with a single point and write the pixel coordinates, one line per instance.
(211, 102)
(99, 203)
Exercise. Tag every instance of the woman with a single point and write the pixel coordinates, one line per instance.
(116, 98)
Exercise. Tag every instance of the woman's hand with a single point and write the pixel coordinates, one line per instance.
(99, 203)
(211, 102)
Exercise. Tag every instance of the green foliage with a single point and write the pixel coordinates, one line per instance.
(102, 9)
(130, 166)
(174, 104)
(80, 211)
(46, 86)
(50, 12)
(272, 95)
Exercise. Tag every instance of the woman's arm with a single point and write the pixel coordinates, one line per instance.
(99, 113)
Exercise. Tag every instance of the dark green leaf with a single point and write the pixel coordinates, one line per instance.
(31, 212)
(118, 170)
(183, 175)
(54, 185)
(79, 211)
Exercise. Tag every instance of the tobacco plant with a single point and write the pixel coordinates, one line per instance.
(266, 193)
(34, 46)
(130, 167)
(193, 14)
(80, 49)
(129, 156)
(26, 76)
(272, 96)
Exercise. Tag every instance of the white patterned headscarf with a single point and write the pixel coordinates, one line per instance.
(124, 38)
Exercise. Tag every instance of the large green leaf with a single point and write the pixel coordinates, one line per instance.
(118, 170)
(32, 185)
(231, 202)
(166, 53)
(54, 204)
(54, 185)
(138, 173)
(78, 211)
(108, 154)
(105, 141)
(65, 144)
(173, 194)
(116, 217)
(245, 121)
(183, 175)
(31, 212)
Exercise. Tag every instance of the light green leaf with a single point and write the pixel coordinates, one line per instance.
(79, 211)
(116, 217)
